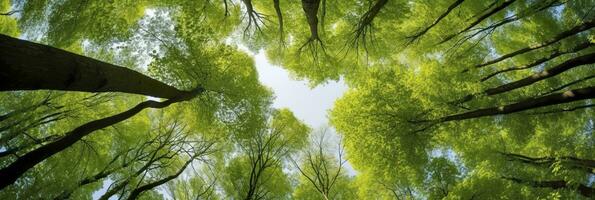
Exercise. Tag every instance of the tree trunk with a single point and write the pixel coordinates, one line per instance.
(310, 8)
(12, 172)
(26, 65)
(582, 189)
(531, 103)
(551, 72)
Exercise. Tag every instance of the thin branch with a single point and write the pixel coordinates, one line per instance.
(573, 31)
(537, 62)
(422, 32)
(482, 17)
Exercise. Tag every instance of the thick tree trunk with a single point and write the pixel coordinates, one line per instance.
(12, 172)
(26, 65)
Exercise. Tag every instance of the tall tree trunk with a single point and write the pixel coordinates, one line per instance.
(310, 8)
(536, 77)
(12, 172)
(26, 65)
(527, 104)
(582, 189)
(277, 6)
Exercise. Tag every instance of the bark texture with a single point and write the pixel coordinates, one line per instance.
(26, 65)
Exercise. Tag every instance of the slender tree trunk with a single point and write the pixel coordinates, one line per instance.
(26, 65)
(277, 6)
(551, 72)
(532, 103)
(310, 8)
(557, 184)
(541, 60)
(574, 161)
(12, 172)
(138, 191)
(573, 31)
(369, 16)
(565, 66)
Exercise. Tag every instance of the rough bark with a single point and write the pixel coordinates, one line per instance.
(26, 65)
(12, 172)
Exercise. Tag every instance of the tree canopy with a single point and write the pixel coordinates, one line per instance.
(158, 99)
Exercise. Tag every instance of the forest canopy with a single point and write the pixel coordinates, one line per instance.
(161, 99)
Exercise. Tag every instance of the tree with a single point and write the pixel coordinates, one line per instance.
(13, 171)
(322, 171)
(447, 99)
(55, 69)
(257, 173)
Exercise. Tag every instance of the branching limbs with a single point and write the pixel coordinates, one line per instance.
(411, 39)
(14, 170)
(158, 154)
(318, 167)
(310, 8)
(493, 9)
(255, 19)
(568, 33)
(364, 25)
(582, 189)
(264, 151)
(542, 60)
(483, 32)
(574, 162)
(10, 12)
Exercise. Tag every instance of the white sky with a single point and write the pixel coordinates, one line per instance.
(311, 105)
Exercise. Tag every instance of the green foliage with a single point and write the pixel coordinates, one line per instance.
(8, 25)
(425, 117)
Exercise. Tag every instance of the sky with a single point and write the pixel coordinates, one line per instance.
(311, 105)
